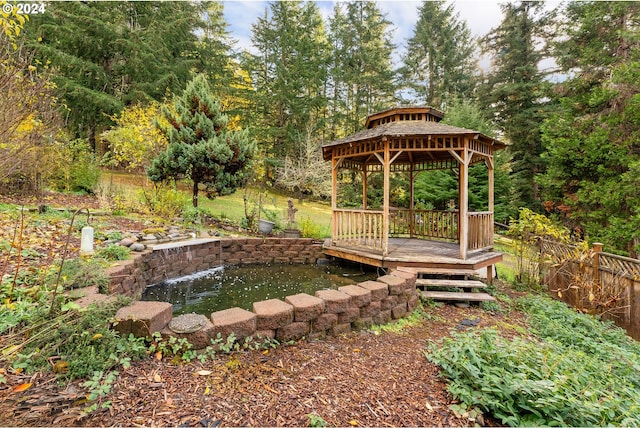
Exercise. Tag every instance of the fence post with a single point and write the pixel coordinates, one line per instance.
(597, 249)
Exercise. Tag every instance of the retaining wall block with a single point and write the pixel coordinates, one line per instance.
(338, 329)
(371, 310)
(396, 285)
(293, 331)
(413, 302)
(408, 276)
(379, 290)
(324, 322)
(362, 323)
(359, 296)
(143, 318)
(399, 311)
(272, 314)
(238, 321)
(388, 303)
(350, 315)
(305, 306)
(335, 301)
(383, 317)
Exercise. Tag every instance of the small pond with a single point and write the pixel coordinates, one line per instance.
(231, 286)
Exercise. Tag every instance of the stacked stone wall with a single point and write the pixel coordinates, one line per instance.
(149, 267)
(327, 313)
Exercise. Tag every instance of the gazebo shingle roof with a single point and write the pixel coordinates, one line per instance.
(402, 129)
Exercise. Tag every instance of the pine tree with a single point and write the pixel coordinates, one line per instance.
(361, 72)
(516, 91)
(439, 63)
(289, 74)
(201, 148)
(592, 142)
(112, 54)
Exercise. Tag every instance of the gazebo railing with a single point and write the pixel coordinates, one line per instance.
(359, 228)
(480, 234)
(404, 222)
(364, 228)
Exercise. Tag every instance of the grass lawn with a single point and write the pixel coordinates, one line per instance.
(232, 206)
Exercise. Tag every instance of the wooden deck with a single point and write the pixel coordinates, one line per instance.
(416, 253)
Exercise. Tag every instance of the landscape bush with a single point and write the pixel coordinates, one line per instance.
(576, 372)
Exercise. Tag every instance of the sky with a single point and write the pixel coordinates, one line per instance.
(481, 16)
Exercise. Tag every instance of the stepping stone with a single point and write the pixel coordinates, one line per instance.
(187, 323)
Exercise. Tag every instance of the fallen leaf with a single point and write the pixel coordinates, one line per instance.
(158, 355)
(22, 387)
(353, 423)
(207, 391)
(204, 373)
(356, 350)
(268, 388)
(61, 367)
(157, 378)
(96, 336)
(560, 294)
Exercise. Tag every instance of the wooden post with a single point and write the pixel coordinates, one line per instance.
(385, 203)
(334, 197)
(412, 222)
(463, 202)
(597, 249)
(491, 184)
(364, 188)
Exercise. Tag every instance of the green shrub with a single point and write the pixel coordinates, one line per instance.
(79, 172)
(309, 229)
(166, 202)
(581, 373)
(113, 253)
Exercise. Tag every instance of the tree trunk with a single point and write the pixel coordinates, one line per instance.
(195, 194)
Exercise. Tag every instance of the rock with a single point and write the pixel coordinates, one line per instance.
(203, 234)
(126, 242)
(149, 237)
(187, 323)
(138, 247)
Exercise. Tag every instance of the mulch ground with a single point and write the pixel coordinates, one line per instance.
(359, 379)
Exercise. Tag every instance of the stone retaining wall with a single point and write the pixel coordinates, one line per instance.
(167, 261)
(329, 312)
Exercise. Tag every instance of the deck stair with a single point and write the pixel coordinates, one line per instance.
(436, 284)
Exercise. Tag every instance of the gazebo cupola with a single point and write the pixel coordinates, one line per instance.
(411, 140)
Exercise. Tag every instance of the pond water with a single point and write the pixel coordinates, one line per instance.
(231, 286)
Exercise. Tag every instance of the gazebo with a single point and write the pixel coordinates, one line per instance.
(411, 140)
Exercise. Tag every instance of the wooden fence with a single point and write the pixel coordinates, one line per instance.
(594, 281)
(423, 224)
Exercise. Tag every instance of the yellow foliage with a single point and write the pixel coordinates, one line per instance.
(11, 23)
(136, 138)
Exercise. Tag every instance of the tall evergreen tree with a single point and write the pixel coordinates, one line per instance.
(289, 74)
(439, 62)
(201, 148)
(516, 90)
(361, 72)
(112, 54)
(592, 142)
